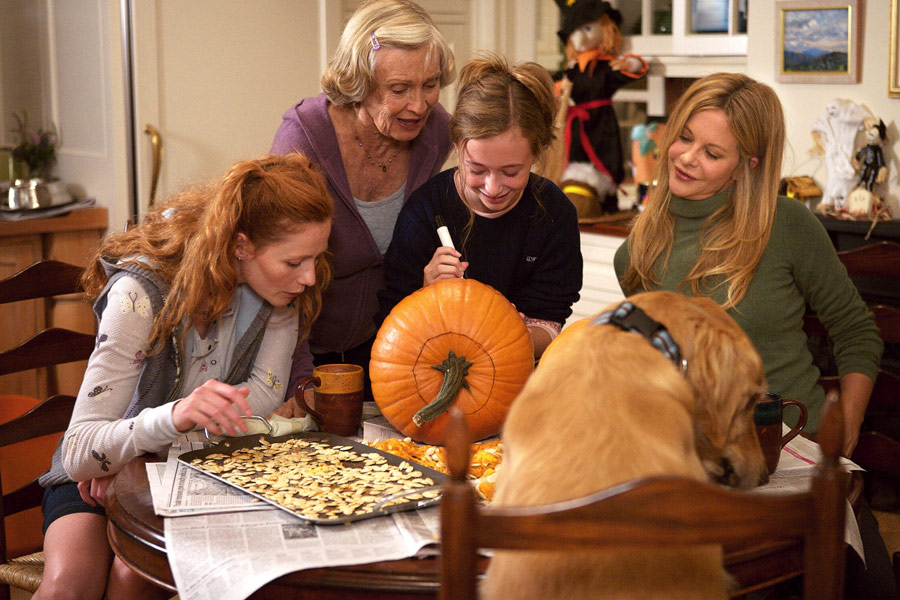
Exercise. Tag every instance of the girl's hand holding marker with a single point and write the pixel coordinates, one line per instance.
(446, 262)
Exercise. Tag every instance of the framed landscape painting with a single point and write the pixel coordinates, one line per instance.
(818, 41)
(894, 79)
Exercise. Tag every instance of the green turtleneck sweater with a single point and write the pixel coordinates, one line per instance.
(799, 266)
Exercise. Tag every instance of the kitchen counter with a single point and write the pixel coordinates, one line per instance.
(617, 225)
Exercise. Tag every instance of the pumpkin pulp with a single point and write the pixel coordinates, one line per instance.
(455, 368)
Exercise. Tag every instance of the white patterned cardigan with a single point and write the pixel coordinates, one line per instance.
(99, 441)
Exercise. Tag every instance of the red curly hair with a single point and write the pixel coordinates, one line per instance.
(189, 241)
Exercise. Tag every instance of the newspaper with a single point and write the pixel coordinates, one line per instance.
(224, 545)
(178, 490)
(228, 556)
(794, 474)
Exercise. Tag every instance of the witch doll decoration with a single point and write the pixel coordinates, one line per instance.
(594, 71)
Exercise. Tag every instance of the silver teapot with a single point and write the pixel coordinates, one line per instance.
(30, 194)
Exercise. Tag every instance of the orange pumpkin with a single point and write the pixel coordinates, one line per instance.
(455, 331)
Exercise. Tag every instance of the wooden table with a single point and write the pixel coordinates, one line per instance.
(136, 536)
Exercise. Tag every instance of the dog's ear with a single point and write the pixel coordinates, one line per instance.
(725, 370)
(710, 372)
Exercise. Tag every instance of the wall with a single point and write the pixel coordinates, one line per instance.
(20, 58)
(214, 77)
(60, 60)
(23, 84)
(202, 70)
(805, 102)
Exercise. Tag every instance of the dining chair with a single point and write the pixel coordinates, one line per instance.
(881, 259)
(650, 513)
(53, 346)
(874, 268)
(879, 455)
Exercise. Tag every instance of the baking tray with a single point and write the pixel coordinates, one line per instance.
(229, 446)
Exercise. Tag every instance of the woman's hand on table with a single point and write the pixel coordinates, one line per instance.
(93, 491)
(445, 264)
(217, 406)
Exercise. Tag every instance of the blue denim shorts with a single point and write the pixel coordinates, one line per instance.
(64, 499)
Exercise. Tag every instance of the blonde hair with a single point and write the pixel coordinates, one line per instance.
(350, 75)
(493, 97)
(189, 241)
(735, 237)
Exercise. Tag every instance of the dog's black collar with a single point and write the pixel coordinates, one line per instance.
(631, 318)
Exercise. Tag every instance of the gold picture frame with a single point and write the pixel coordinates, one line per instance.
(818, 41)
(894, 61)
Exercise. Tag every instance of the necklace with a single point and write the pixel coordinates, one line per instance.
(384, 167)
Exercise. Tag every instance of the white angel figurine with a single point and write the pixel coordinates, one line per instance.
(834, 134)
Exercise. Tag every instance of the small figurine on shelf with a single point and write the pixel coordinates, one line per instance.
(834, 134)
(594, 71)
(864, 201)
(644, 156)
(869, 161)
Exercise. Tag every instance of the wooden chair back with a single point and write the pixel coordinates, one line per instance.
(875, 269)
(650, 513)
(50, 347)
(878, 449)
(878, 264)
(881, 259)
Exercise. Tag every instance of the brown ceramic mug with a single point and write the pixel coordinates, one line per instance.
(338, 398)
(768, 415)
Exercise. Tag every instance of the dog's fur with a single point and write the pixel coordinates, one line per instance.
(605, 407)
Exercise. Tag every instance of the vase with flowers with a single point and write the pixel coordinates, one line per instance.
(36, 149)
(34, 157)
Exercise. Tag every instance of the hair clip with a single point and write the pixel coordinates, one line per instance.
(375, 43)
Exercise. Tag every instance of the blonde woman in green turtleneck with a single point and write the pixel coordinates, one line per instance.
(715, 226)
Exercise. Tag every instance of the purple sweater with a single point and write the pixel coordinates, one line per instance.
(350, 302)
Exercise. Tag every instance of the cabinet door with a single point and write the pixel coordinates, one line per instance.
(686, 27)
(213, 77)
(21, 320)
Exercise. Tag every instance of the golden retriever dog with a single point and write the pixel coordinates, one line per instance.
(604, 407)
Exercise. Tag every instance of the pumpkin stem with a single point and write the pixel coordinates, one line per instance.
(455, 368)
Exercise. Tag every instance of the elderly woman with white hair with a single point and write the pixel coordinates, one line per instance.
(378, 132)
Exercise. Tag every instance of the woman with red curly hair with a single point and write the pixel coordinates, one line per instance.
(198, 311)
